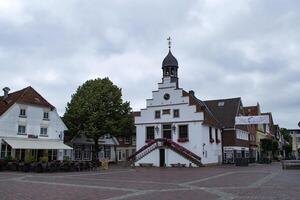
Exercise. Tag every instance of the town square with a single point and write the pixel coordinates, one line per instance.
(218, 182)
(153, 100)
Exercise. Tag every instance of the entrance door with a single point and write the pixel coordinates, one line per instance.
(161, 157)
(40, 154)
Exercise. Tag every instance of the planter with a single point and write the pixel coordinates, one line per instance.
(26, 167)
(39, 168)
(182, 139)
(13, 166)
(241, 162)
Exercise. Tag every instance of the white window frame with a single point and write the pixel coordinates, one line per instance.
(21, 131)
(43, 132)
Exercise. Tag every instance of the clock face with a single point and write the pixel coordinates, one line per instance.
(166, 96)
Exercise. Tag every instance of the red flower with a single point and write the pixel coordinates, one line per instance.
(183, 139)
(149, 140)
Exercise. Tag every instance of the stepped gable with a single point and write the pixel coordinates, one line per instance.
(209, 117)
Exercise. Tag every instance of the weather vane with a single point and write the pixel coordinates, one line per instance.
(169, 42)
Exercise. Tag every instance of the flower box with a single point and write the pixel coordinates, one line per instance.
(149, 140)
(183, 139)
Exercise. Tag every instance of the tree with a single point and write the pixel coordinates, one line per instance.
(97, 109)
(286, 135)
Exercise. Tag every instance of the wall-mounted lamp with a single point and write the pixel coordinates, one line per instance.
(173, 128)
(156, 129)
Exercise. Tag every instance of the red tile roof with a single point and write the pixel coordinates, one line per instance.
(25, 96)
(209, 117)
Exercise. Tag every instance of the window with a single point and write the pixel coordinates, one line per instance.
(157, 114)
(21, 130)
(183, 133)
(149, 133)
(43, 131)
(221, 103)
(3, 147)
(166, 112)
(22, 112)
(46, 115)
(176, 113)
(127, 140)
(167, 131)
(216, 135)
(119, 155)
(242, 135)
(107, 152)
(211, 140)
(86, 153)
(77, 152)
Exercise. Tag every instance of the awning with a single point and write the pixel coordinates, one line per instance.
(24, 143)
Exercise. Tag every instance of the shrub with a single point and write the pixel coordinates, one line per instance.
(44, 159)
(8, 158)
(29, 159)
(66, 158)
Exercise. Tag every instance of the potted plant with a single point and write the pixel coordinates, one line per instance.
(11, 163)
(28, 162)
(43, 164)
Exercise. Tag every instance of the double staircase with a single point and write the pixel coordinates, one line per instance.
(163, 142)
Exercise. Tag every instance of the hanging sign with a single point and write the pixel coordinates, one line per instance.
(246, 120)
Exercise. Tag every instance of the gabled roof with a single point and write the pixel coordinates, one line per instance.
(251, 110)
(209, 117)
(25, 96)
(225, 110)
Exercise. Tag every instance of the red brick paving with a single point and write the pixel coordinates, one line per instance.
(255, 182)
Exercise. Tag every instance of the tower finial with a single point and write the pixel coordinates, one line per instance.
(169, 42)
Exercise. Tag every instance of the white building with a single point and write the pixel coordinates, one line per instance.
(295, 133)
(84, 148)
(176, 127)
(30, 125)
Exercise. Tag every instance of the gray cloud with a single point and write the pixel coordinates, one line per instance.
(224, 48)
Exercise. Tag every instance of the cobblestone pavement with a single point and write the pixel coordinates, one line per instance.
(266, 182)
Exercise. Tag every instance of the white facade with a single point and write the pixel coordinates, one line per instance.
(36, 126)
(199, 140)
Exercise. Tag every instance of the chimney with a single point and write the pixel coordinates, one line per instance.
(6, 91)
(191, 92)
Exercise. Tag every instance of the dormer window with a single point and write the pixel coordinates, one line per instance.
(221, 103)
(22, 113)
(46, 115)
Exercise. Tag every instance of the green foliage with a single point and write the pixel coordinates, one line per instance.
(29, 159)
(8, 158)
(44, 159)
(266, 145)
(66, 158)
(288, 149)
(286, 135)
(97, 109)
(274, 146)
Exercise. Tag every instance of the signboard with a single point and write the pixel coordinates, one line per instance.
(246, 120)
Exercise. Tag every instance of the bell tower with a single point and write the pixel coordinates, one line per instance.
(170, 67)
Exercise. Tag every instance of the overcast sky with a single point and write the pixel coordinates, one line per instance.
(248, 49)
